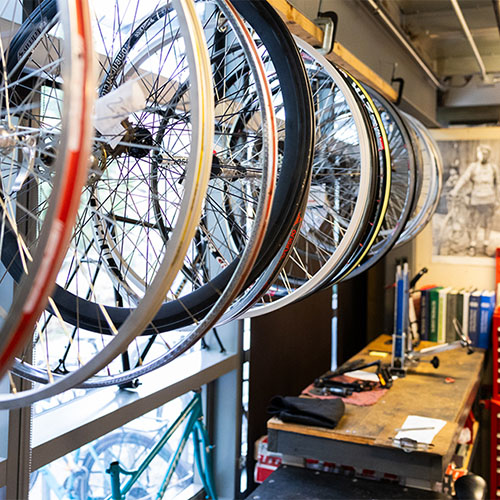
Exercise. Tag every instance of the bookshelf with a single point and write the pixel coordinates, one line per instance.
(439, 306)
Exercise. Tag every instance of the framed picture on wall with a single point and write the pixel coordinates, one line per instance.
(466, 224)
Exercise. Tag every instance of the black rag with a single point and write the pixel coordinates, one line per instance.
(307, 411)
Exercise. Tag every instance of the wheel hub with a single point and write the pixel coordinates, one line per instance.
(143, 140)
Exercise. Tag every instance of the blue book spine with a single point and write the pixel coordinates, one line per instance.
(474, 319)
(400, 318)
(486, 308)
(424, 315)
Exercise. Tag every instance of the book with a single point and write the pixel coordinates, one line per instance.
(442, 307)
(465, 315)
(451, 314)
(459, 307)
(413, 313)
(424, 312)
(433, 313)
(473, 322)
(486, 308)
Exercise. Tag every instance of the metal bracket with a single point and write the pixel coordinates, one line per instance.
(408, 444)
(401, 83)
(328, 21)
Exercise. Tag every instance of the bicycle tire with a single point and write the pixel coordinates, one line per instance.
(431, 184)
(331, 259)
(69, 171)
(385, 180)
(106, 444)
(195, 184)
(243, 268)
(403, 183)
(288, 199)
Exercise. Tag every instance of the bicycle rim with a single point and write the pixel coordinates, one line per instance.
(402, 191)
(431, 184)
(57, 144)
(268, 167)
(195, 182)
(291, 187)
(385, 180)
(344, 151)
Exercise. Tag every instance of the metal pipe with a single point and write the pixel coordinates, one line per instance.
(409, 47)
(468, 35)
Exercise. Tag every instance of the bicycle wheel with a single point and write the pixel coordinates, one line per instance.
(342, 190)
(45, 140)
(238, 201)
(294, 97)
(234, 158)
(403, 183)
(431, 181)
(120, 173)
(384, 187)
(129, 448)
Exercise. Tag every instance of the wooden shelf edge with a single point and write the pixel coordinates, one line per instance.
(319, 432)
(480, 133)
(298, 24)
(304, 28)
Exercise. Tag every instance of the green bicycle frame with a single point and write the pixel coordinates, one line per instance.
(194, 427)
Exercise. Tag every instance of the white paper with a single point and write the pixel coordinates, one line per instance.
(362, 375)
(429, 427)
(365, 375)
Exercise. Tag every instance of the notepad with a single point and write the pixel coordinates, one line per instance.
(421, 429)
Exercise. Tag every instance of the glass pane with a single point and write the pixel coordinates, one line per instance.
(82, 473)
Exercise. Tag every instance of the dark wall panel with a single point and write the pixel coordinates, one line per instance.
(289, 349)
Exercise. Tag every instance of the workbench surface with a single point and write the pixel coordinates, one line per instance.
(361, 438)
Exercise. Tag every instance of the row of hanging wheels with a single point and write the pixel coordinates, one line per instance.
(172, 165)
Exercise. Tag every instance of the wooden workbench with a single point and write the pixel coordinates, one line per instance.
(361, 439)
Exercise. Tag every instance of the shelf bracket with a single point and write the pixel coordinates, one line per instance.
(401, 83)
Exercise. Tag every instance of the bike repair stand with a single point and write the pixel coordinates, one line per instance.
(405, 337)
(401, 322)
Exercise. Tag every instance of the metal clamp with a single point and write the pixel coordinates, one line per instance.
(327, 21)
(408, 444)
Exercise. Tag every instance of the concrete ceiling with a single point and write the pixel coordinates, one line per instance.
(433, 28)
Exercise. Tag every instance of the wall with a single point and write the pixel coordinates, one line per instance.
(289, 348)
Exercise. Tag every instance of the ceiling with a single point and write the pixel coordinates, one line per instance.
(434, 30)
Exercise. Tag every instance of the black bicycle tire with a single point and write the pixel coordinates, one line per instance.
(29, 31)
(290, 191)
(378, 208)
(365, 223)
(380, 249)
